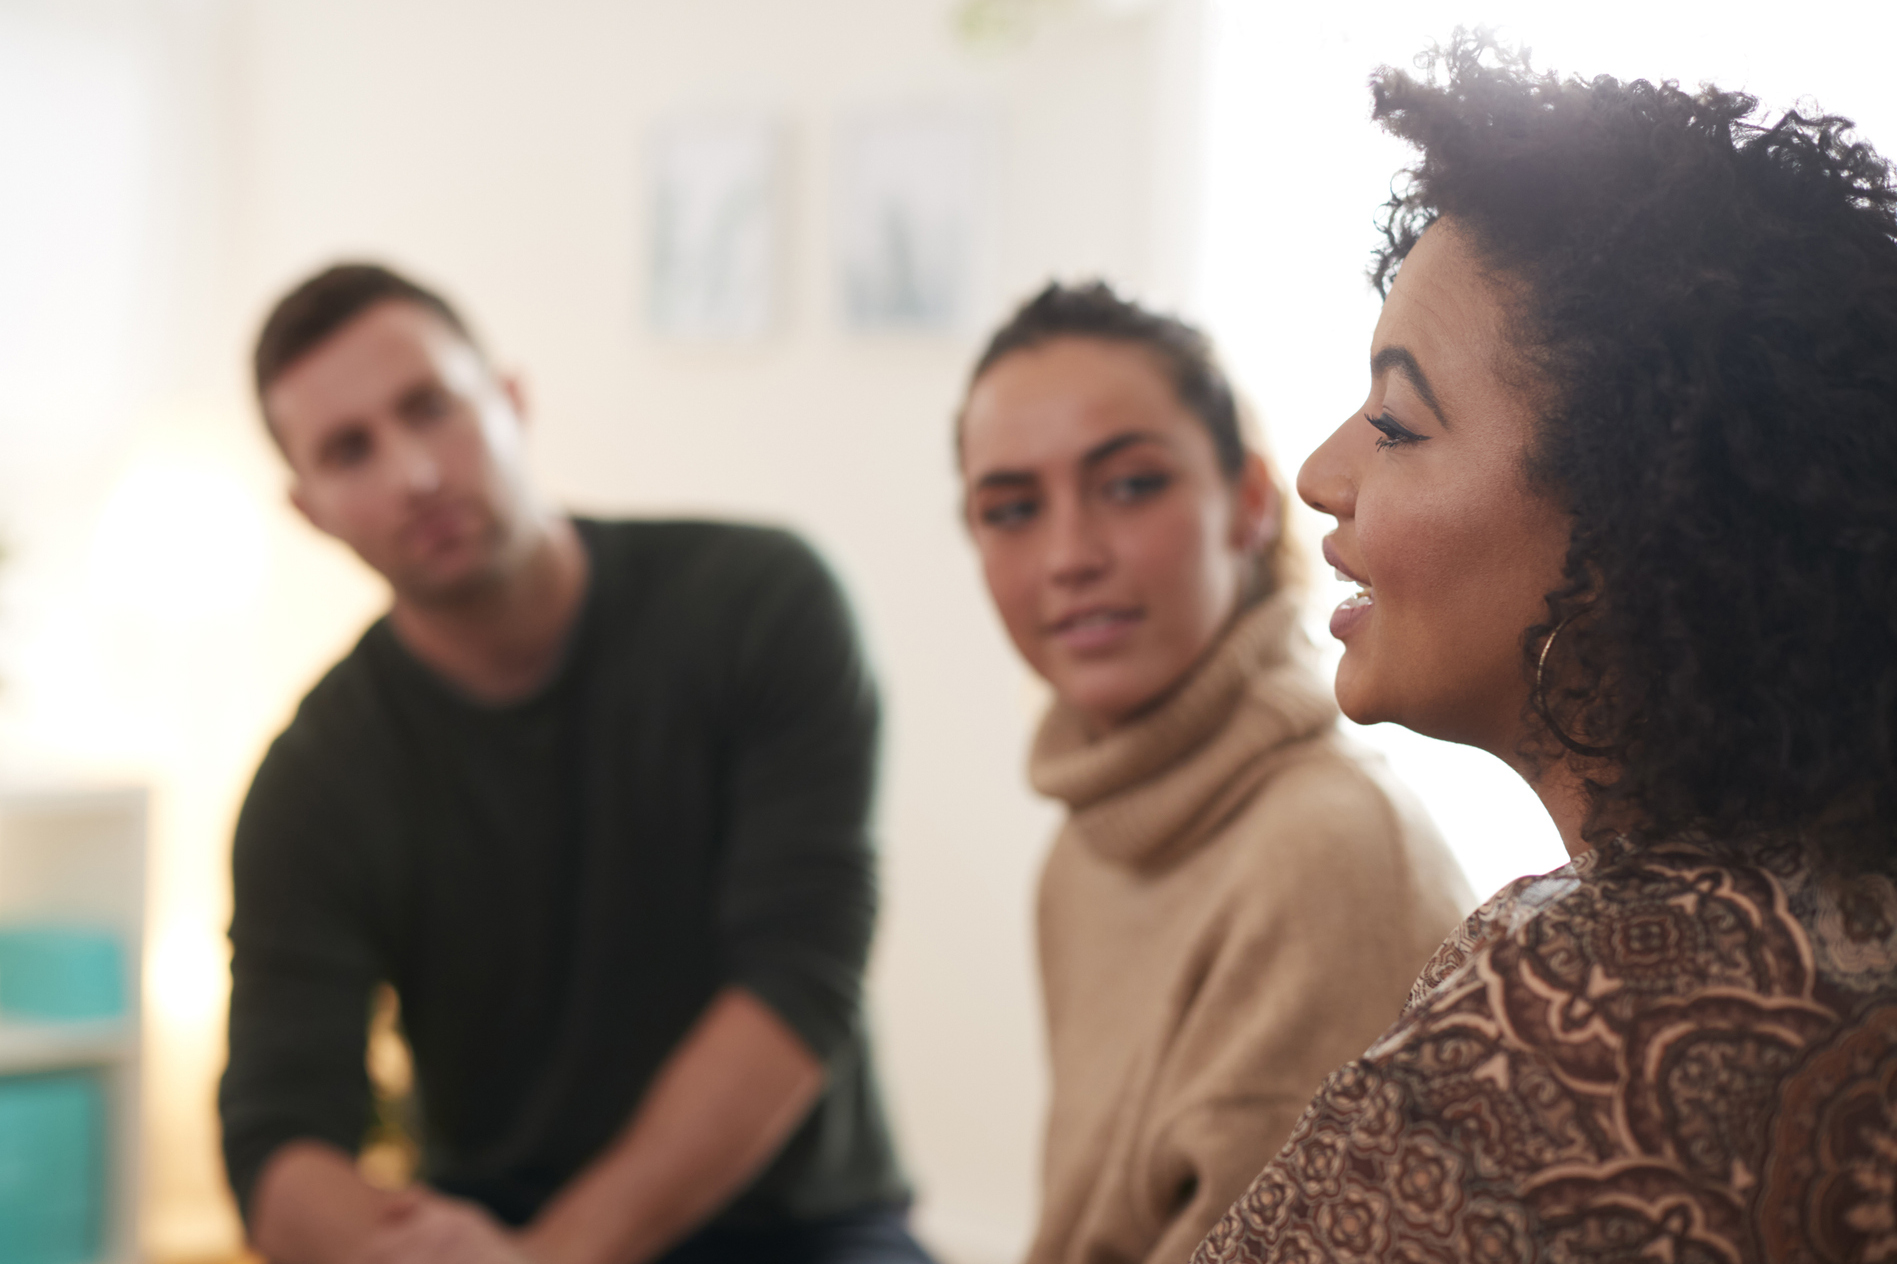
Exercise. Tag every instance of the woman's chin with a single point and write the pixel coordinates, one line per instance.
(1112, 701)
(1363, 699)
(1357, 693)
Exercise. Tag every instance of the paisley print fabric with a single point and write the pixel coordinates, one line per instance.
(1666, 1054)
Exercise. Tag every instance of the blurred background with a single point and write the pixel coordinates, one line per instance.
(743, 252)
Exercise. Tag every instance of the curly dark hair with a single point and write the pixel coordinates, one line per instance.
(1707, 300)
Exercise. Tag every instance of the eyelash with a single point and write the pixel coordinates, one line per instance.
(1009, 514)
(1139, 486)
(1394, 433)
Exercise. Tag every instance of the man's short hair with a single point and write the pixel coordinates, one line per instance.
(307, 316)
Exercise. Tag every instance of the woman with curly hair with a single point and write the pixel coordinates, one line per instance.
(1622, 504)
(1238, 900)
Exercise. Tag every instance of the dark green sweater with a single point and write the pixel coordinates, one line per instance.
(557, 887)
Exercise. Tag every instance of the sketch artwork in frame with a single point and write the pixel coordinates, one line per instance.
(716, 227)
(910, 202)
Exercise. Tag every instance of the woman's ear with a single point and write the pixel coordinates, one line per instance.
(515, 388)
(1258, 509)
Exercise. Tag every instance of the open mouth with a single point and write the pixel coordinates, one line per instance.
(1359, 599)
(1354, 609)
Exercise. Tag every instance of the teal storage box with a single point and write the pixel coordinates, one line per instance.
(60, 974)
(52, 1168)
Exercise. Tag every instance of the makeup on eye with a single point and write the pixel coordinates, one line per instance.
(1002, 514)
(1004, 499)
(1130, 470)
(1392, 432)
(1135, 487)
(1001, 504)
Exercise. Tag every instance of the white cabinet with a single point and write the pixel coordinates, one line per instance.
(76, 857)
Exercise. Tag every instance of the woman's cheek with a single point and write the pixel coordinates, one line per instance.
(1009, 589)
(1410, 544)
(1176, 563)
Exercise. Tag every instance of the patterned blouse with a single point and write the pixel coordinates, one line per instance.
(1654, 1055)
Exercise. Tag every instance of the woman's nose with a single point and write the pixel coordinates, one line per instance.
(1326, 481)
(1076, 552)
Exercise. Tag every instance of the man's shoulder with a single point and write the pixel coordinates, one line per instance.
(337, 743)
(347, 694)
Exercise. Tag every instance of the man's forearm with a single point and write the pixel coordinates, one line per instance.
(722, 1105)
(310, 1206)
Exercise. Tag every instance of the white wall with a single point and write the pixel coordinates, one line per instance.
(164, 617)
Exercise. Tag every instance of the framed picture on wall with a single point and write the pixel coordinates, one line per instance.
(910, 218)
(716, 227)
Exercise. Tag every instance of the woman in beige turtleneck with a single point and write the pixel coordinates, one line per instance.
(1238, 901)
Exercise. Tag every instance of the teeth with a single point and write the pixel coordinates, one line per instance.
(1358, 600)
(1363, 588)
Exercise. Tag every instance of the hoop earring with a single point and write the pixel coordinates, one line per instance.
(1541, 666)
(1541, 700)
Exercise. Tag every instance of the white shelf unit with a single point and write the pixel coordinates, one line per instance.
(77, 856)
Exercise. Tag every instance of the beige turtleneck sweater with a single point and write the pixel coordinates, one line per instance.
(1237, 905)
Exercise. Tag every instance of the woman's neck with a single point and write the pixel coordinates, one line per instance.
(1563, 792)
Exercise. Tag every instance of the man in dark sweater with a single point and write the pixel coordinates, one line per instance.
(593, 799)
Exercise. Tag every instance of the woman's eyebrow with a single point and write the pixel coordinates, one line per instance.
(1101, 451)
(1005, 478)
(1400, 359)
(1093, 456)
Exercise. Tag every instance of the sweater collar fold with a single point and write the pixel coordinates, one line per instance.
(1146, 791)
